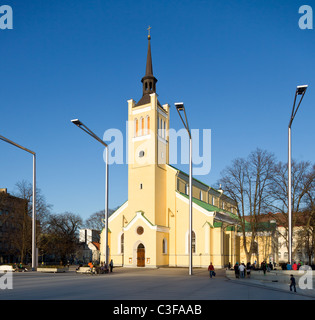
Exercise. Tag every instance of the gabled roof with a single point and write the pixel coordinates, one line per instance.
(202, 183)
(220, 214)
(96, 244)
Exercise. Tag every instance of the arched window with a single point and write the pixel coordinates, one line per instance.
(142, 126)
(193, 242)
(161, 128)
(136, 127)
(164, 245)
(141, 131)
(122, 242)
(200, 196)
(148, 125)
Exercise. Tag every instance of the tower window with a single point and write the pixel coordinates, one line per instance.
(141, 186)
(147, 125)
(136, 128)
(142, 125)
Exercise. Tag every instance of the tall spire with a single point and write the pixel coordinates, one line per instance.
(149, 68)
(149, 81)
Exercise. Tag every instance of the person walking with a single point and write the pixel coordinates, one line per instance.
(248, 269)
(264, 267)
(211, 270)
(292, 283)
(236, 270)
(111, 265)
(242, 270)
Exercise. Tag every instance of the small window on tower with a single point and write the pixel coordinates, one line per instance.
(141, 186)
(137, 128)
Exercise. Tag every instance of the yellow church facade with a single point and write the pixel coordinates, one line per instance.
(151, 229)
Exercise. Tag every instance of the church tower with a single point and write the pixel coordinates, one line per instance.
(151, 228)
(148, 149)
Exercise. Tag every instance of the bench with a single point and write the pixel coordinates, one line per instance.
(4, 268)
(84, 270)
(88, 270)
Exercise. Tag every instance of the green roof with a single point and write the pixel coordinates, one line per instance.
(209, 207)
(194, 179)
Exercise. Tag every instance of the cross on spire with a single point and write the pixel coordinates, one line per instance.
(149, 36)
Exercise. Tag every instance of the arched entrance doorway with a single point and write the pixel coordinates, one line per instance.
(140, 255)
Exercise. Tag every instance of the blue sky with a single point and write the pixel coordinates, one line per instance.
(235, 64)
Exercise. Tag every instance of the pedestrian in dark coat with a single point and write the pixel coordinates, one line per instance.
(292, 283)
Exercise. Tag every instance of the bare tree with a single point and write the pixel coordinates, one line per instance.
(96, 220)
(247, 181)
(303, 180)
(61, 237)
(306, 233)
(25, 191)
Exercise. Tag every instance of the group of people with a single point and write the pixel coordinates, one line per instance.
(19, 267)
(294, 266)
(103, 268)
(240, 269)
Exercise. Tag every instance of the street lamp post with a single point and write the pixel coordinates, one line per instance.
(34, 255)
(80, 125)
(180, 108)
(300, 90)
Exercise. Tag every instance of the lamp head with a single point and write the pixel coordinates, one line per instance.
(77, 122)
(301, 89)
(179, 106)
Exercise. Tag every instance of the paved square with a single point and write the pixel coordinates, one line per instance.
(144, 284)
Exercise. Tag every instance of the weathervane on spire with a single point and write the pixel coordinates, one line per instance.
(149, 36)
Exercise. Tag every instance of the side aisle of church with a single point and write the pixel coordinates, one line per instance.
(151, 229)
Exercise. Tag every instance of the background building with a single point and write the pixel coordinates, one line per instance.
(15, 227)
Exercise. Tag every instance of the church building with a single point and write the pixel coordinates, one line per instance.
(151, 229)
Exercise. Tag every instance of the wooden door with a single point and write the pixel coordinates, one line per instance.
(140, 255)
